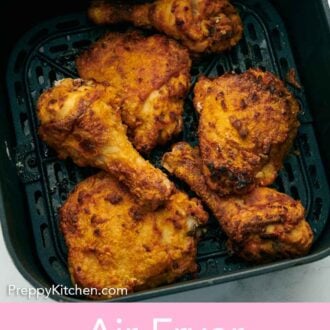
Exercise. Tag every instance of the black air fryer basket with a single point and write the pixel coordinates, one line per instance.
(277, 37)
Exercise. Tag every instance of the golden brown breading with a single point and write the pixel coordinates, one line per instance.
(201, 25)
(80, 120)
(112, 245)
(151, 76)
(247, 125)
(262, 225)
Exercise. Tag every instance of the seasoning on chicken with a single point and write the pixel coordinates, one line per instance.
(261, 226)
(81, 120)
(201, 25)
(247, 126)
(151, 76)
(112, 245)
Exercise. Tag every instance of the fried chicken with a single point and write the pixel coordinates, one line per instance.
(201, 25)
(151, 76)
(111, 245)
(80, 120)
(247, 126)
(261, 226)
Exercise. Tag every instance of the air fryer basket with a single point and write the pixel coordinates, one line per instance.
(47, 53)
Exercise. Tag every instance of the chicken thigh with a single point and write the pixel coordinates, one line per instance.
(111, 245)
(151, 76)
(246, 127)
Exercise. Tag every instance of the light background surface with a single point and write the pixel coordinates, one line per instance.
(308, 283)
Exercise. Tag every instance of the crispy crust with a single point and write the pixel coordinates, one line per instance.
(114, 244)
(151, 76)
(266, 225)
(80, 120)
(208, 26)
(247, 125)
(202, 26)
(261, 226)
